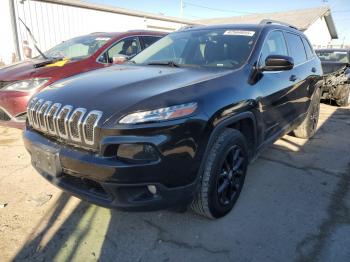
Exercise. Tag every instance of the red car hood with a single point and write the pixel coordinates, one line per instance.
(26, 69)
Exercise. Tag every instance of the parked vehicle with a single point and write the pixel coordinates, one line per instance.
(18, 82)
(180, 122)
(336, 67)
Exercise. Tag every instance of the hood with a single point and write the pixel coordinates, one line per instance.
(117, 88)
(27, 69)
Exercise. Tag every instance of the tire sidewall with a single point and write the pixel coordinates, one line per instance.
(215, 208)
(315, 105)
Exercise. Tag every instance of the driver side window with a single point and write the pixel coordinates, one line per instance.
(127, 47)
(275, 44)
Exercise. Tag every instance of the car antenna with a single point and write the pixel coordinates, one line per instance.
(33, 39)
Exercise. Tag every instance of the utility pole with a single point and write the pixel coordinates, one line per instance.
(181, 8)
(14, 29)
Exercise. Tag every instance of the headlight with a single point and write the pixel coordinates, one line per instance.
(161, 114)
(27, 85)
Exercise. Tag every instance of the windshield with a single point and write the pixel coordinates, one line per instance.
(77, 48)
(213, 48)
(333, 56)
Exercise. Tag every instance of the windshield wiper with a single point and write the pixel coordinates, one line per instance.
(47, 62)
(33, 39)
(164, 63)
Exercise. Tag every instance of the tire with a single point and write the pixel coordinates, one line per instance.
(308, 127)
(344, 99)
(223, 176)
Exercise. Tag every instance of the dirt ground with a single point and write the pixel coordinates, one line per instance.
(295, 206)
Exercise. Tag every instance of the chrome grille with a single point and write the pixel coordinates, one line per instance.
(62, 120)
(75, 123)
(89, 125)
(51, 118)
(35, 112)
(41, 115)
(29, 110)
(65, 122)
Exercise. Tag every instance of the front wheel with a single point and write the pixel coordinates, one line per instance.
(344, 99)
(223, 177)
(308, 127)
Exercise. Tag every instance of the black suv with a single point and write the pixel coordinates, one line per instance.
(179, 123)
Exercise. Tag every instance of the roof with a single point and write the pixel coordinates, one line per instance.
(117, 34)
(117, 10)
(302, 19)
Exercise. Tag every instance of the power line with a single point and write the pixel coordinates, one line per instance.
(216, 9)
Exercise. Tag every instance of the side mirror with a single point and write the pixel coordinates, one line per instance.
(278, 63)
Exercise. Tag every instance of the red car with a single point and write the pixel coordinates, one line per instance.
(18, 82)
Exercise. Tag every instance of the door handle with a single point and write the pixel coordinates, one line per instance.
(313, 70)
(293, 78)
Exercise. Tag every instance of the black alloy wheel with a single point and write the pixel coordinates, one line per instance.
(230, 179)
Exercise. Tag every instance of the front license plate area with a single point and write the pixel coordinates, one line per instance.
(46, 161)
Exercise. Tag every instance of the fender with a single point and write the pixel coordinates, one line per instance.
(221, 126)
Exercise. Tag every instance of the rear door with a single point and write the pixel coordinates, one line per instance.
(299, 96)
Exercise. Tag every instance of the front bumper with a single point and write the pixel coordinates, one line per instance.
(13, 104)
(109, 182)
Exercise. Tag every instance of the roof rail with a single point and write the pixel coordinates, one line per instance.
(269, 22)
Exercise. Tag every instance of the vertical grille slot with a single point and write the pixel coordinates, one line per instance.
(75, 123)
(62, 120)
(42, 112)
(89, 126)
(29, 110)
(50, 118)
(34, 111)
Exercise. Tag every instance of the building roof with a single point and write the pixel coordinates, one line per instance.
(117, 10)
(302, 19)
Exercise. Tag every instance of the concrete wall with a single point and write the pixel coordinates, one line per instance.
(318, 33)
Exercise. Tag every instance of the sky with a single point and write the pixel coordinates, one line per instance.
(197, 9)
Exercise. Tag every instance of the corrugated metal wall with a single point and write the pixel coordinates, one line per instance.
(53, 23)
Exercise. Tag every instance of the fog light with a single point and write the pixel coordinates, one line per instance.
(137, 152)
(152, 189)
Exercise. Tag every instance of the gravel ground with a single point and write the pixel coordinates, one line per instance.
(295, 207)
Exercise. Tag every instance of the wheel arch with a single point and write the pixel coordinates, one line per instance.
(245, 122)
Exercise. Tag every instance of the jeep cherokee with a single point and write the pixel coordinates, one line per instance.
(180, 122)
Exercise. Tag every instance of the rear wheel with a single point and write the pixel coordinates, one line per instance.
(308, 127)
(344, 99)
(223, 176)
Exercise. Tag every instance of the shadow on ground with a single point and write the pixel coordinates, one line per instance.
(294, 207)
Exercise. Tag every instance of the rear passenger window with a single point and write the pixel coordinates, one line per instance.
(274, 45)
(308, 49)
(296, 48)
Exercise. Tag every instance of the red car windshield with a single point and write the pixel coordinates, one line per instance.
(78, 47)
